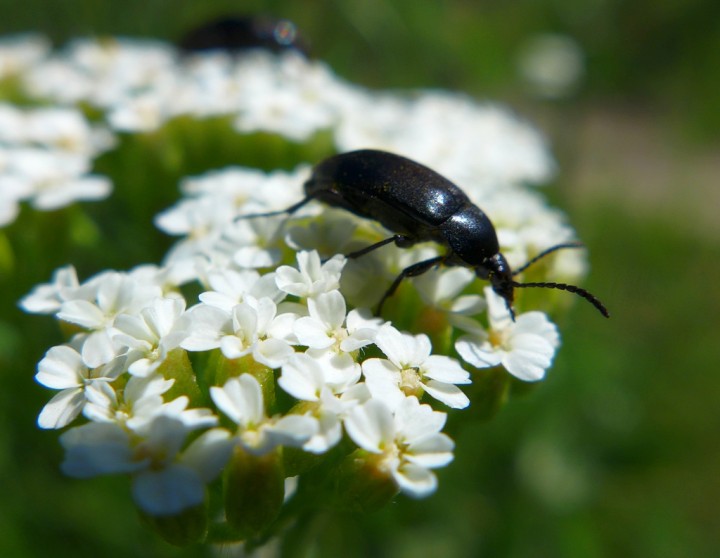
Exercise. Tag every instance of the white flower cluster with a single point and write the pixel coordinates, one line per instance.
(140, 85)
(347, 374)
(45, 158)
(111, 373)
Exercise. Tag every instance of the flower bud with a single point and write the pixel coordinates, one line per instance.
(185, 528)
(362, 485)
(254, 491)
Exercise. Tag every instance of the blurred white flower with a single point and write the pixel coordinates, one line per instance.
(552, 65)
(166, 478)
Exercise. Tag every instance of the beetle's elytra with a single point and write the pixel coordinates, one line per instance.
(419, 205)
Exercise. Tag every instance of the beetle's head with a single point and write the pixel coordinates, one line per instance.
(496, 270)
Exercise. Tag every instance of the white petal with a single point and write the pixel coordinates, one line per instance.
(61, 368)
(370, 425)
(328, 435)
(232, 347)
(273, 353)
(240, 399)
(168, 491)
(62, 409)
(477, 351)
(415, 481)
(207, 325)
(431, 451)
(311, 332)
(208, 455)
(97, 449)
(445, 369)
(449, 394)
(415, 420)
(82, 313)
(302, 377)
(530, 357)
(294, 430)
(328, 308)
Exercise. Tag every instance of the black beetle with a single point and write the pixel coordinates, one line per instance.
(238, 33)
(420, 205)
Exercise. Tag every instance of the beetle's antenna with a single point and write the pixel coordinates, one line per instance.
(289, 210)
(546, 252)
(591, 298)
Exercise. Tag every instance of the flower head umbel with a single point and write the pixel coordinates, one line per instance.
(252, 350)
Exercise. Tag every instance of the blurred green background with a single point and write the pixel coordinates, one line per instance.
(617, 453)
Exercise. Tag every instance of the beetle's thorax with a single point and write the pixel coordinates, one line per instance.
(470, 235)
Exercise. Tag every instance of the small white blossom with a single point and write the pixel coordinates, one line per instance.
(48, 297)
(307, 379)
(63, 368)
(140, 402)
(241, 400)
(312, 276)
(408, 443)
(251, 327)
(441, 289)
(152, 333)
(525, 347)
(166, 480)
(18, 52)
(328, 325)
(410, 369)
(229, 287)
(97, 304)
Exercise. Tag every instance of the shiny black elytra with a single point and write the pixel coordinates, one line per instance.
(419, 205)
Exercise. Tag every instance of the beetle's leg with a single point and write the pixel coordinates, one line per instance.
(411, 271)
(399, 239)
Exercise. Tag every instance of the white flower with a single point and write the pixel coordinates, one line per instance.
(482, 146)
(441, 289)
(60, 129)
(48, 297)
(55, 179)
(152, 334)
(525, 347)
(18, 52)
(166, 480)
(140, 402)
(96, 305)
(251, 327)
(328, 326)
(408, 443)
(312, 277)
(286, 94)
(63, 368)
(241, 400)
(310, 379)
(229, 287)
(410, 369)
